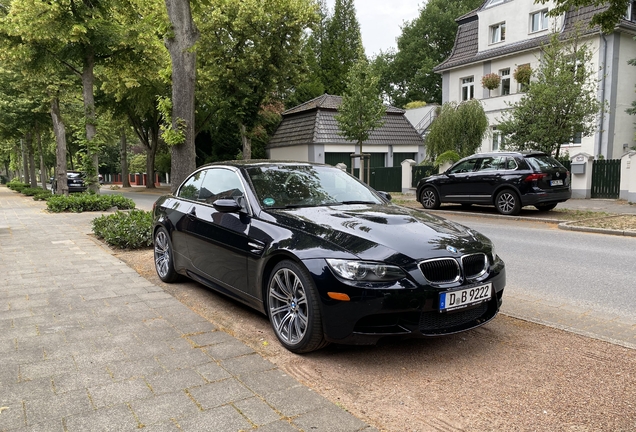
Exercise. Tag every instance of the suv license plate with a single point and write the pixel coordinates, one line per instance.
(451, 300)
(556, 183)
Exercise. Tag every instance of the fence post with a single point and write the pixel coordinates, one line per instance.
(626, 172)
(407, 175)
(582, 175)
(631, 188)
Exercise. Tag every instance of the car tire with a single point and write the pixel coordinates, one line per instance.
(164, 256)
(292, 307)
(429, 198)
(508, 203)
(545, 207)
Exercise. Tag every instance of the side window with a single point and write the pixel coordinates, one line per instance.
(488, 164)
(465, 166)
(510, 164)
(190, 189)
(220, 183)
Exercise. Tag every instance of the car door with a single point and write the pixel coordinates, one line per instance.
(218, 241)
(455, 186)
(486, 178)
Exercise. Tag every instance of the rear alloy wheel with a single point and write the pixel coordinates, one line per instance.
(429, 199)
(164, 260)
(508, 203)
(292, 306)
(545, 207)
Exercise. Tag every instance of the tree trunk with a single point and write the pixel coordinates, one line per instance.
(183, 58)
(25, 162)
(151, 152)
(60, 153)
(43, 176)
(33, 180)
(247, 143)
(88, 79)
(125, 179)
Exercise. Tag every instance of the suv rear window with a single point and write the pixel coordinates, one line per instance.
(543, 162)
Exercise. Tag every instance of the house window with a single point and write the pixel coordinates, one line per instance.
(505, 81)
(631, 11)
(539, 21)
(578, 136)
(468, 88)
(496, 139)
(498, 33)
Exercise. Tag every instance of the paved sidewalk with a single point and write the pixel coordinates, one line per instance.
(86, 344)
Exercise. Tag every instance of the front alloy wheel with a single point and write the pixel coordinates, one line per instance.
(164, 263)
(293, 309)
(429, 199)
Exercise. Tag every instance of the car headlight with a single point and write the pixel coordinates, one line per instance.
(365, 270)
(493, 251)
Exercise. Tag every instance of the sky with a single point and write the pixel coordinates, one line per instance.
(381, 21)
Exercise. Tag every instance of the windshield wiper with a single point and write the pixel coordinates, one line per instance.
(357, 202)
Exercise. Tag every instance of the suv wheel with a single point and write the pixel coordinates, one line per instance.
(429, 198)
(507, 202)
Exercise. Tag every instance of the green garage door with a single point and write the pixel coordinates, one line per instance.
(398, 158)
(336, 158)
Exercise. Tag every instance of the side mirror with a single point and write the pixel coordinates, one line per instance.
(226, 205)
(387, 196)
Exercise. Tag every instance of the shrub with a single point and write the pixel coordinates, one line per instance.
(17, 185)
(29, 191)
(491, 81)
(448, 156)
(522, 74)
(78, 203)
(125, 230)
(42, 195)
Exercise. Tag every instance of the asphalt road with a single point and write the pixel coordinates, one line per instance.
(143, 200)
(584, 270)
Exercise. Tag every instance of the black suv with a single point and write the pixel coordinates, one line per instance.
(75, 182)
(507, 180)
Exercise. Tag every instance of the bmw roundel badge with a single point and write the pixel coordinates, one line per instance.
(451, 249)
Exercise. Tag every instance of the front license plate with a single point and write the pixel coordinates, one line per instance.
(556, 183)
(451, 300)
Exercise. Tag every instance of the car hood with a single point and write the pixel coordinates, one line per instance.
(382, 232)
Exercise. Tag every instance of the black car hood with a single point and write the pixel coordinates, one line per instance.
(378, 232)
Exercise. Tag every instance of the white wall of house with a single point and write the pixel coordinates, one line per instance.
(625, 131)
(517, 18)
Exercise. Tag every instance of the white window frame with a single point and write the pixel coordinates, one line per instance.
(630, 15)
(505, 77)
(541, 20)
(496, 139)
(498, 33)
(467, 88)
(494, 3)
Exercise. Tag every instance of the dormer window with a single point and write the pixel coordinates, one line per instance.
(539, 21)
(631, 11)
(498, 33)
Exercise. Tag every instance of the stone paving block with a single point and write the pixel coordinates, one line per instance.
(81, 380)
(329, 419)
(158, 334)
(164, 407)
(44, 341)
(73, 348)
(230, 349)
(49, 367)
(9, 373)
(18, 357)
(54, 425)
(211, 338)
(164, 426)
(26, 304)
(162, 303)
(220, 393)
(12, 416)
(138, 368)
(98, 358)
(122, 341)
(12, 333)
(279, 426)
(183, 359)
(222, 419)
(213, 372)
(179, 344)
(149, 297)
(257, 411)
(122, 300)
(295, 401)
(270, 381)
(247, 364)
(8, 345)
(174, 381)
(174, 309)
(115, 419)
(50, 408)
(119, 392)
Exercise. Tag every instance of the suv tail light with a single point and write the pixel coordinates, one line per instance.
(534, 177)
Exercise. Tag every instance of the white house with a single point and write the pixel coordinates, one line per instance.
(501, 35)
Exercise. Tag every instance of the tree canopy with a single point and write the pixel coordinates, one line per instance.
(559, 103)
(606, 19)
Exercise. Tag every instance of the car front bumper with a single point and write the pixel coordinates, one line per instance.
(372, 314)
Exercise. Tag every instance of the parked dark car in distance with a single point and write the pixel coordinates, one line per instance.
(507, 180)
(74, 180)
(327, 258)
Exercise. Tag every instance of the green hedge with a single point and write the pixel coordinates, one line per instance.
(125, 230)
(78, 203)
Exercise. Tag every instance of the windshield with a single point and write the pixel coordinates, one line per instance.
(286, 186)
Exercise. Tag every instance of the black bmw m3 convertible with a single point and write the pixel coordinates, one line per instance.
(327, 258)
